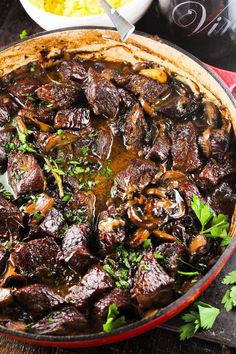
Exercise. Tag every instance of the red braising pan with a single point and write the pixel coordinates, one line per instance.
(214, 84)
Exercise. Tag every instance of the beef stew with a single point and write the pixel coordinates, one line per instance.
(105, 164)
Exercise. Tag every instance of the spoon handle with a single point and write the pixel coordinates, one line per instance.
(124, 27)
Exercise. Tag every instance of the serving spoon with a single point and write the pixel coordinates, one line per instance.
(124, 27)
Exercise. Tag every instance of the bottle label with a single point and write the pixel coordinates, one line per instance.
(193, 17)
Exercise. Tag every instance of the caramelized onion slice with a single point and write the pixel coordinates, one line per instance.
(155, 74)
(11, 275)
(56, 140)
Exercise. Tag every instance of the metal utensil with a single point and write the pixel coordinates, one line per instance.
(124, 28)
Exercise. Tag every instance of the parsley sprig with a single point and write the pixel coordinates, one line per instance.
(113, 319)
(229, 299)
(203, 317)
(214, 226)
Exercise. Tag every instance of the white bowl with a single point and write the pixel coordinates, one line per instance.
(48, 21)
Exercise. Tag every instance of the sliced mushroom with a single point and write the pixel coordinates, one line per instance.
(156, 209)
(197, 244)
(172, 179)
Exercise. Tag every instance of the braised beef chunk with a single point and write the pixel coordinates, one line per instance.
(134, 127)
(72, 70)
(102, 95)
(188, 188)
(64, 322)
(214, 143)
(102, 144)
(75, 247)
(145, 88)
(7, 109)
(161, 148)
(152, 285)
(32, 114)
(5, 137)
(80, 207)
(111, 230)
(76, 118)
(24, 89)
(119, 297)
(126, 101)
(184, 148)
(223, 197)
(135, 177)
(53, 223)
(176, 106)
(95, 283)
(38, 258)
(61, 97)
(38, 299)
(25, 174)
(11, 218)
(214, 172)
(172, 253)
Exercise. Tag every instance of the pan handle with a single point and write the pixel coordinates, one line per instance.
(229, 77)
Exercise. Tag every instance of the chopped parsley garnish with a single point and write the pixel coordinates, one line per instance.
(6, 194)
(127, 260)
(109, 270)
(188, 274)
(32, 67)
(67, 198)
(158, 256)
(203, 317)
(50, 319)
(213, 226)
(23, 34)
(113, 319)
(29, 97)
(30, 325)
(147, 243)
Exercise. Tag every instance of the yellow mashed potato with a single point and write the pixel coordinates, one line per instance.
(76, 7)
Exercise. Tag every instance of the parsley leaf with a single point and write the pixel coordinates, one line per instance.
(188, 330)
(229, 299)
(208, 315)
(203, 318)
(113, 321)
(218, 224)
(230, 278)
(203, 212)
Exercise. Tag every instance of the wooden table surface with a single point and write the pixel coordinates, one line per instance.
(13, 20)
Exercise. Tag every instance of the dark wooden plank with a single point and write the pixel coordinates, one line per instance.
(157, 341)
